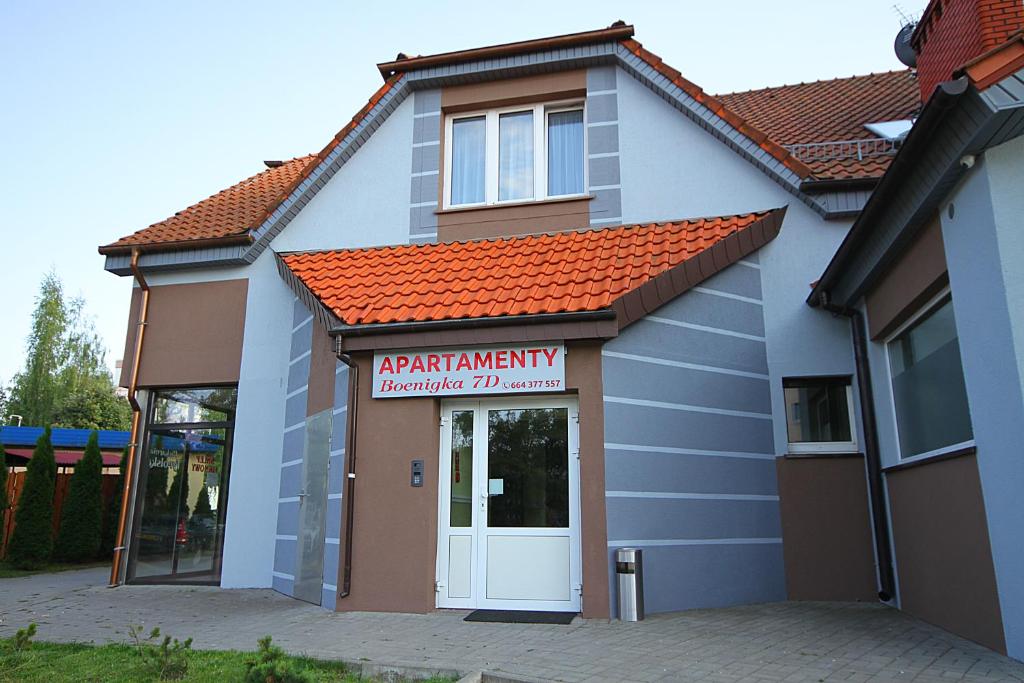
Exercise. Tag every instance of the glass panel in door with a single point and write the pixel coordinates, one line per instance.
(182, 518)
(526, 542)
(528, 468)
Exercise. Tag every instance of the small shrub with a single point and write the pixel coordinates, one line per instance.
(168, 659)
(270, 666)
(23, 638)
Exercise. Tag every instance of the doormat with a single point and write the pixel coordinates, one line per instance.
(503, 616)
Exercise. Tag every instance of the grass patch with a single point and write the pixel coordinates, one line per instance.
(49, 662)
(9, 572)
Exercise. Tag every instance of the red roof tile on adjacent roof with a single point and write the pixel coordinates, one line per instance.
(565, 272)
(720, 108)
(831, 111)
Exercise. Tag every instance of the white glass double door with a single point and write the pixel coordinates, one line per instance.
(509, 516)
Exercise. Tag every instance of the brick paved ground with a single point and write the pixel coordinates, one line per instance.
(773, 642)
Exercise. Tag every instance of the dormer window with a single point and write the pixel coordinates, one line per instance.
(516, 154)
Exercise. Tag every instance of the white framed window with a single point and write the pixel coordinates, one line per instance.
(929, 396)
(819, 414)
(515, 154)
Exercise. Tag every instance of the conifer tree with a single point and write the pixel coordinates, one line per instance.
(112, 512)
(32, 540)
(81, 516)
(3, 484)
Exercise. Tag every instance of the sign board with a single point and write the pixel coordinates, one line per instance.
(469, 372)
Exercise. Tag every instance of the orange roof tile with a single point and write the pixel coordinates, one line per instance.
(230, 213)
(586, 270)
(831, 111)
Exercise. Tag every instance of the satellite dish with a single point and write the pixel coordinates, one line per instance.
(904, 50)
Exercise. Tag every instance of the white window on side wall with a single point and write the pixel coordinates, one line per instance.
(819, 415)
(516, 154)
(929, 395)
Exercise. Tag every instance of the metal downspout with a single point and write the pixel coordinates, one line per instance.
(133, 442)
(872, 453)
(350, 474)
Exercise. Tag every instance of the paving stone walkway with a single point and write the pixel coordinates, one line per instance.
(770, 642)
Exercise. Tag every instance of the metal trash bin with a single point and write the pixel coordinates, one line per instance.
(629, 571)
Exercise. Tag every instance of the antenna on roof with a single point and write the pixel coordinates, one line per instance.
(904, 50)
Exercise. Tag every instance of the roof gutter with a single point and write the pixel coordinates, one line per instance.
(838, 185)
(350, 472)
(945, 97)
(133, 440)
(617, 31)
(872, 452)
(469, 323)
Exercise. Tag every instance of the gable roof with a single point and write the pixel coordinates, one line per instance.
(249, 214)
(536, 275)
(821, 114)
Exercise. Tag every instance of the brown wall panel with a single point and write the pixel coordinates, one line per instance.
(826, 529)
(193, 334)
(512, 91)
(322, 366)
(918, 275)
(395, 525)
(506, 221)
(583, 373)
(943, 556)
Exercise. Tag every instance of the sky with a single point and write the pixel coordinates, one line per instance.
(116, 115)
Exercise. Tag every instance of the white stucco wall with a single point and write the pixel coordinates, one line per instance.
(364, 204)
(671, 168)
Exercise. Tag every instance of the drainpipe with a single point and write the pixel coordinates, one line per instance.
(133, 383)
(350, 473)
(872, 454)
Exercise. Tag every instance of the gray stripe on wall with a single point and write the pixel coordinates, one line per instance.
(689, 446)
(636, 470)
(603, 146)
(426, 151)
(714, 575)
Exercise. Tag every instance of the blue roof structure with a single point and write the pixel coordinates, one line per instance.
(62, 438)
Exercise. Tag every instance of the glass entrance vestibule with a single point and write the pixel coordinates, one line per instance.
(181, 499)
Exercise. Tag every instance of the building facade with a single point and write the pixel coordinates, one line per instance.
(534, 303)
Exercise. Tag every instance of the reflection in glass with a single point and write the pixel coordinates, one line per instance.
(528, 451)
(462, 469)
(565, 153)
(468, 158)
(928, 384)
(180, 526)
(817, 410)
(515, 155)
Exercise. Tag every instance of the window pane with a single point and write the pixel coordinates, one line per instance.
(468, 153)
(928, 384)
(515, 155)
(528, 462)
(462, 469)
(175, 406)
(182, 522)
(817, 410)
(565, 153)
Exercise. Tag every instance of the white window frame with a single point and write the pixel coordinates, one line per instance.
(837, 447)
(929, 307)
(540, 153)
